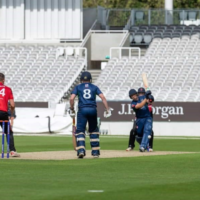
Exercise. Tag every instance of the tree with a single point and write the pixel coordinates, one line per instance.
(191, 4)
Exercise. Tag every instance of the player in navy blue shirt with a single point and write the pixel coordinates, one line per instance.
(144, 118)
(87, 112)
(131, 143)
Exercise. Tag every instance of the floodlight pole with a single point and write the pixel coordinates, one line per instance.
(169, 11)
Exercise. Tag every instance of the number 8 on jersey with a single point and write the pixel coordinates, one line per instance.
(87, 94)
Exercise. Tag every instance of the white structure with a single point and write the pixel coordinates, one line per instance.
(41, 19)
(169, 5)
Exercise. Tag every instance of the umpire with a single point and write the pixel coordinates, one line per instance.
(5, 96)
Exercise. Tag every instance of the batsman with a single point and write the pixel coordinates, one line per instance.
(87, 112)
(133, 132)
(144, 119)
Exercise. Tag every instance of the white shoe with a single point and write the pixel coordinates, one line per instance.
(81, 155)
(95, 156)
(142, 149)
(14, 154)
(150, 150)
(129, 149)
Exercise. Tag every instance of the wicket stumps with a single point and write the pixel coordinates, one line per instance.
(8, 137)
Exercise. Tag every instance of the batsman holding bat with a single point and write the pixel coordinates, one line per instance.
(149, 101)
(87, 112)
(133, 132)
(143, 116)
(144, 119)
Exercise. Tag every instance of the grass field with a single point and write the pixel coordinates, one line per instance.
(171, 177)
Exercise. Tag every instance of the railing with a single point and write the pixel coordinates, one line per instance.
(124, 39)
(118, 17)
(164, 17)
(130, 17)
(119, 49)
(101, 31)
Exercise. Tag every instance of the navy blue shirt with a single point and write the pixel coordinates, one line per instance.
(142, 112)
(86, 94)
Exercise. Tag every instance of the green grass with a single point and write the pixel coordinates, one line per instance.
(171, 177)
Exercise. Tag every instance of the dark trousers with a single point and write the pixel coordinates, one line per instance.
(4, 116)
(131, 142)
(133, 134)
(87, 114)
(84, 115)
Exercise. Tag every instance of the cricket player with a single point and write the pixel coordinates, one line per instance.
(150, 102)
(133, 132)
(144, 118)
(5, 96)
(87, 112)
(131, 144)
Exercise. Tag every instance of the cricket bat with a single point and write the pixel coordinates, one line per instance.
(145, 81)
(73, 133)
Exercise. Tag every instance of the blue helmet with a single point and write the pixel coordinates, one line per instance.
(132, 92)
(86, 76)
(141, 90)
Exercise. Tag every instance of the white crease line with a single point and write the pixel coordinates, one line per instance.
(97, 191)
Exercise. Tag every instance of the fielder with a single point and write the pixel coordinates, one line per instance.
(5, 96)
(87, 112)
(144, 119)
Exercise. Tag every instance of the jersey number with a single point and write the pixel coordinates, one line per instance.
(2, 92)
(87, 93)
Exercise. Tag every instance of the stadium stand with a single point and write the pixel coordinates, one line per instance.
(171, 63)
(40, 72)
(143, 35)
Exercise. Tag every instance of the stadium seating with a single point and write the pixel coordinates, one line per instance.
(172, 66)
(35, 73)
(143, 35)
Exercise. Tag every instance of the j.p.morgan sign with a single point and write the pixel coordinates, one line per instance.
(163, 111)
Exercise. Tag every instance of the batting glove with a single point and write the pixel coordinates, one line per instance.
(148, 93)
(108, 113)
(72, 113)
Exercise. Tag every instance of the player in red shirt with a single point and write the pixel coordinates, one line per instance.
(150, 101)
(5, 96)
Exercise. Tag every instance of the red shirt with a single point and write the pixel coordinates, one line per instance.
(5, 95)
(150, 108)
